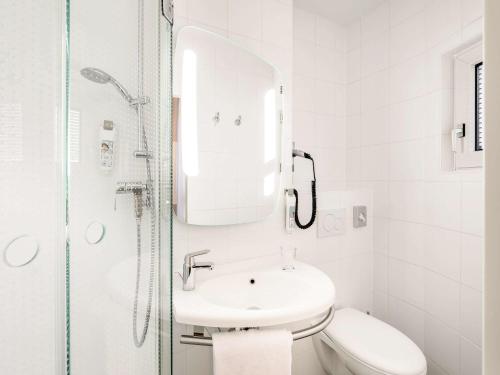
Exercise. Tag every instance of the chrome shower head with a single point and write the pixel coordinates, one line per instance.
(95, 75)
(100, 76)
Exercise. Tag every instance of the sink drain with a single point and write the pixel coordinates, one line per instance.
(253, 308)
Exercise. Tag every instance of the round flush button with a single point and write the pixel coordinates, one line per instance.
(20, 251)
(95, 232)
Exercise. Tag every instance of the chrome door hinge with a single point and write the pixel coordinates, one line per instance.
(281, 117)
(167, 9)
(281, 89)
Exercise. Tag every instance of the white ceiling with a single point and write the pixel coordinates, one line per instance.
(340, 11)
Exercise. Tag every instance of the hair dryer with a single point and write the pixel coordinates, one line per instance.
(302, 154)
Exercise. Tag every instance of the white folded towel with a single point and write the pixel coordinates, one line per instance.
(265, 352)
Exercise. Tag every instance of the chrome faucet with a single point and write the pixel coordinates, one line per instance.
(190, 266)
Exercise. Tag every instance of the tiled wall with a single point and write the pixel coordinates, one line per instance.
(319, 67)
(428, 231)
(267, 27)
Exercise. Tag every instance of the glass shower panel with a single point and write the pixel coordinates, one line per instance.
(31, 198)
(119, 178)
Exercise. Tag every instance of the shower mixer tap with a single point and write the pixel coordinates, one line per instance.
(138, 189)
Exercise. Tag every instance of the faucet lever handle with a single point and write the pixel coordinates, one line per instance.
(190, 256)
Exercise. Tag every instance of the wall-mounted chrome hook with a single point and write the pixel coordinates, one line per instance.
(216, 118)
(237, 122)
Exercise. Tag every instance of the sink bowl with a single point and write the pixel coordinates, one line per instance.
(266, 297)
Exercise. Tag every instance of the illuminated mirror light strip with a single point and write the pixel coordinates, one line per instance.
(269, 184)
(269, 126)
(189, 114)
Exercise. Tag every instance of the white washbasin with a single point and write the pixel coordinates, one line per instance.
(265, 297)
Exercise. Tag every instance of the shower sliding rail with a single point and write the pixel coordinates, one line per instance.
(297, 335)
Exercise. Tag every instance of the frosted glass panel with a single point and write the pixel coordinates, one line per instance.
(31, 241)
(118, 135)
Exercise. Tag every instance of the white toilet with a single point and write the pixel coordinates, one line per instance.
(367, 346)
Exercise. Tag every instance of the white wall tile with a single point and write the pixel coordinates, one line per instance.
(472, 261)
(304, 130)
(427, 218)
(353, 36)
(375, 127)
(375, 91)
(304, 59)
(407, 318)
(442, 345)
(274, 32)
(442, 298)
(407, 201)
(379, 310)
(245, 18)
(473, 208)
(407, 39)
(353, 65)
(406, 241)
(375, 163)
(380, 190)
(471, 10)
(353, 131)
(304, 26)
(303, 94)
(353, 98)
(324, 97)
(442, 251)
(408, 79)
(212, 13)
(406, 119)
(325, 33)
(375, 22)
(407, 161)
(380, 263)
(471, 315)
(353, 166)
(470, 358)
(327, 64)
(375, 55)
(443, 19)
(381, 227)
(406, 282)
(442, 204)
(401, 10)
(330, 132)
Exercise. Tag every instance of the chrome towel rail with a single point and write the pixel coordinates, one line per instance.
(297, 335)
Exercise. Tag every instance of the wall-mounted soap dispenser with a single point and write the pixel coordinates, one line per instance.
(107, 143)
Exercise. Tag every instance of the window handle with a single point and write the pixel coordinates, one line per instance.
(457, 133)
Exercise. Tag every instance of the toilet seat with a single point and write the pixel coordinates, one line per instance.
(370, 346)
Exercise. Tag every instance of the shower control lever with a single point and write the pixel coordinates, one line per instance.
(139, 190)
(188, 272)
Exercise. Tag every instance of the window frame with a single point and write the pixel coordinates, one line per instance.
(465, 104)
(478, 145)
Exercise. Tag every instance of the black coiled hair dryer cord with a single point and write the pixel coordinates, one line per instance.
(313, 196)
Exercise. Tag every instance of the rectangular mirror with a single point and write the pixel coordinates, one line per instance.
(227, 131)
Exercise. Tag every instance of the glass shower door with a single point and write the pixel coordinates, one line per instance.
(119, 195)
(31, 195)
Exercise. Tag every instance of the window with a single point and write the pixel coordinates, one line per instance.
(468, 107)
(479, 107)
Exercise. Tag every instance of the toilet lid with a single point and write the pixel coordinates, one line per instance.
(375, 343)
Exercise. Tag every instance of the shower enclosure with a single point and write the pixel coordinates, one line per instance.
(85, 218)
